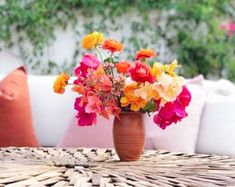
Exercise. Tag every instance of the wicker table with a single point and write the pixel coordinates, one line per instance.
(100, 167)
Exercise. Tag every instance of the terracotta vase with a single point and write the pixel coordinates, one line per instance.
(129, 135)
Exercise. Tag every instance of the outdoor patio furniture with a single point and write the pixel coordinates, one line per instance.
(101, 167)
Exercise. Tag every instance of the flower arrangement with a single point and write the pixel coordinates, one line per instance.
(108, 86)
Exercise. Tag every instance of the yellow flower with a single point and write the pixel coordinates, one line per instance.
(169, 87)
(147, 92)
(131, 99)
(159, 68)
(93, 39)
(60, 83)
(170, 68)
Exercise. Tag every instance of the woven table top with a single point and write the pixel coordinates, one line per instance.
(100, 167)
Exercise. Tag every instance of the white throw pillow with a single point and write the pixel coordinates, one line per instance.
(218, 125)
(183, 135)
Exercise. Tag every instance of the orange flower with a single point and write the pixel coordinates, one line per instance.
(79, 89)
(145, 53)
(93, 39)
(123, 67)
(60, 83)
(135, 102)
(112, 45)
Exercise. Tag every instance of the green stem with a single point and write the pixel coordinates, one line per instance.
(99, 53)
(111, 59)
(112, 72)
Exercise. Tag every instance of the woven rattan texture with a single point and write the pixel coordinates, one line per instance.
(100, 167)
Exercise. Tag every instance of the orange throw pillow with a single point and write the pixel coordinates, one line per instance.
(16, 127)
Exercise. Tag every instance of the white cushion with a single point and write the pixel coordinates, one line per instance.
(222, 86)
(183, 135)
(218, 125)
(51, 112)
(225, 87)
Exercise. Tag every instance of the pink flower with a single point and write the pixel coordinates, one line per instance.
(80, 71)
(106, 83)
(171, 112)
(84, 119)
(185, 97)
(88, 62)
(77, 81)
(93, 105)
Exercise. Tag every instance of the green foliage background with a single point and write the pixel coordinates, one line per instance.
(191, 30)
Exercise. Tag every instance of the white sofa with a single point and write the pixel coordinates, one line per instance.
(53, 114)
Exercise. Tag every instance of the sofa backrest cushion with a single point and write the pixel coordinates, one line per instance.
(217, 125)
(222, 87)
(52, 113)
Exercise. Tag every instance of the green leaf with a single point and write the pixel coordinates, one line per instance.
(150, 106)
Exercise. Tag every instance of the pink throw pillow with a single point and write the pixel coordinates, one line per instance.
(99, 135)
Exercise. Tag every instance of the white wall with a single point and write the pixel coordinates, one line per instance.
(62, 49)
(9, 62)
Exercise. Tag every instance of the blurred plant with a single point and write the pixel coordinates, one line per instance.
(229, 28)
(201, 45)
(193, 32)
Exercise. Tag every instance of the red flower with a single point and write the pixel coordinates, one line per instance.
(141, 72)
